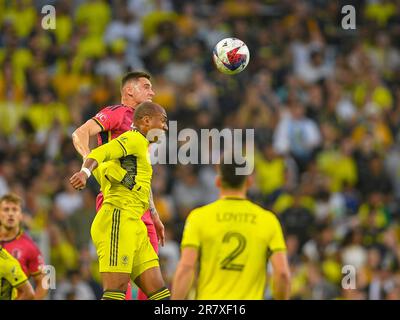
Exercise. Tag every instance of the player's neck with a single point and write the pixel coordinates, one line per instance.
(129, 102)
(140, 129)
(232, 193)
(7, 235)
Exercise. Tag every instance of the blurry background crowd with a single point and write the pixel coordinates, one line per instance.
(324, 102)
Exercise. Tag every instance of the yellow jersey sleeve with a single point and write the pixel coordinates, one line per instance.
(13, 272)
(128, 143)
(133, 143)
(191, 232)
(109, 151)
(277, 242)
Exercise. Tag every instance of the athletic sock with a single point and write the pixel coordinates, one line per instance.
(113, 295)
(162, 294)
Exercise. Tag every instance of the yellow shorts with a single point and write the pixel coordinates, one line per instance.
(121, 241)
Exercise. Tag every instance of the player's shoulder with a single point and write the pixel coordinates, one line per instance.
(5, 255)
(23, 236)
(115, 107)
(203, 210)
(136, 134)
(134, 138)
(264, 213)
(133, 133)
(27, 239)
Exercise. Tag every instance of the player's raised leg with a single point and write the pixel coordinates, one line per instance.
(146, 271)
(152, 284)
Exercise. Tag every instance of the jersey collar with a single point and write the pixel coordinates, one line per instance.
(19, 234)
(233, 198)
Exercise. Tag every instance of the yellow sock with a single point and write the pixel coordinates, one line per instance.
(162, 294)
(113, 295)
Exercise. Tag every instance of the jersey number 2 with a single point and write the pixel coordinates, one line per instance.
(227, 263)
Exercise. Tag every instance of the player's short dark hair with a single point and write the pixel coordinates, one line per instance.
(11, 197)
(229, 177)
(134, 75)
(146, 108)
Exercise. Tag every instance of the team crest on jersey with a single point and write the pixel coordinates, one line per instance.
(123, 140)
(124, 260)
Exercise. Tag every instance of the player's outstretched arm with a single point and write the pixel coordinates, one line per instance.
(184, 275)
(113, 150)
(81, 136)
(280, 276)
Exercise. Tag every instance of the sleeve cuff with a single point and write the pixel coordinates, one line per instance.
(99, 123)
(20, 283)
(95, 156)
(36, 273)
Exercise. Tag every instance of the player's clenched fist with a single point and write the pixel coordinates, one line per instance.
(78, 180)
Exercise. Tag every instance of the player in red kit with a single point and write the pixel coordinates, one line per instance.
(109, 123)
(19, 244)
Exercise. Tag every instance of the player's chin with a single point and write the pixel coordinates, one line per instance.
(10, 226)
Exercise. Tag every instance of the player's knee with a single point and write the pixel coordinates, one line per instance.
(115, 282)
(150, 281)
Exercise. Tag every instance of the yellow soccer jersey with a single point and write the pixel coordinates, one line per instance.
(130, 179)
(235, 238)
(11, 275)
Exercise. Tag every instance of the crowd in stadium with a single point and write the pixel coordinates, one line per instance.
(324, 102)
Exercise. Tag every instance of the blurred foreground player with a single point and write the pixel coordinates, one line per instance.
(19, 244)
(232, 240)
(12, 279)
(109, 123)
(118, 233)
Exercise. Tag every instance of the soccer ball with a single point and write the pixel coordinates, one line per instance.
(231, 56)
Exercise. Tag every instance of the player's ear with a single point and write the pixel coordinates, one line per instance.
(146, 120)
(128, 88)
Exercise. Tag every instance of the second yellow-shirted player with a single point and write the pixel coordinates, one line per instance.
(118, 232)
(235, 246)
(14, 283)
(231, 239)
